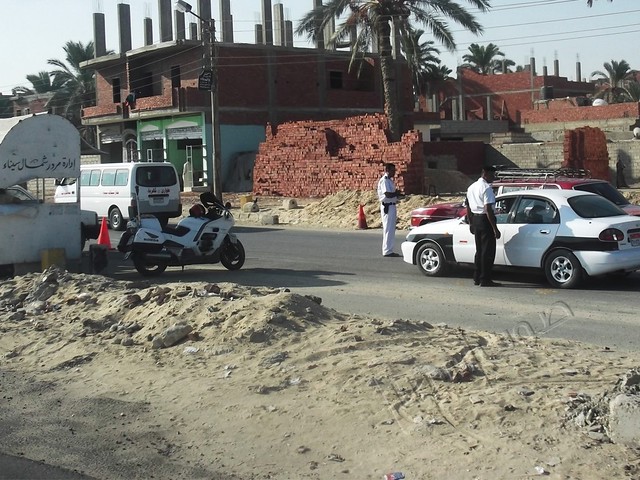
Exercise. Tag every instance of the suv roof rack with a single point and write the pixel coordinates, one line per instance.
(541, 173)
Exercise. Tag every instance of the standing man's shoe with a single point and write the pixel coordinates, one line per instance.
(392, 254)
(490, 283)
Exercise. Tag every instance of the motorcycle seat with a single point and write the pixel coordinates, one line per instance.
(177, 230)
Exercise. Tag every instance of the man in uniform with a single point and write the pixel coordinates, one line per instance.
(480, 205)
(388, 196)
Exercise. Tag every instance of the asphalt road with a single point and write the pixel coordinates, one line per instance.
(346, 269)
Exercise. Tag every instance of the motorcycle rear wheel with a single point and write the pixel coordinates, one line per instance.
(232, 255)
(147, 269)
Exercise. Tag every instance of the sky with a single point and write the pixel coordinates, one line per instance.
(34, 31)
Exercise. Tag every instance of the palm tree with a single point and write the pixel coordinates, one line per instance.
(614, 79)
(482, 59)
(40, 83)
(633, 91)
(77, 87)
(374, 19)
(421, 57)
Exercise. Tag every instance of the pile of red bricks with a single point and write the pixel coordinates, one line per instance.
(315, 159)
(586, 148)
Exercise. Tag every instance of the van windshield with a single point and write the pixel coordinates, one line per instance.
(156, 176)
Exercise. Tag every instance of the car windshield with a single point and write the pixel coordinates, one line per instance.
(592, 206)
(606, 190)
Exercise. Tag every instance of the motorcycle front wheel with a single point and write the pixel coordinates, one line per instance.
(147, 269)
(232, 255)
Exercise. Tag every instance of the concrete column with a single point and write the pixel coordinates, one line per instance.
(556, 68)
(328, 32)
(204, 10)
(278, 24)
(267, 23)
(124, 25)
(532, 62)
(259, 35)
(578, 72)
(544, 71)
(99, 36)
(148, 31)
(226, 21)
(180, 28)
(288, 33)
(320, 40)
(166, 29)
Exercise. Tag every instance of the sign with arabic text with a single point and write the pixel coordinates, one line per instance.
(205, 80)
(55, 154)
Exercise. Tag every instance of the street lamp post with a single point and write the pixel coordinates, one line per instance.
(208, 80)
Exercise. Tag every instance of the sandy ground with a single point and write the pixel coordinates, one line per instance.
(127, 380)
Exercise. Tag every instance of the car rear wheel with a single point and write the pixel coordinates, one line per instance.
(563, 270)
(430, 260)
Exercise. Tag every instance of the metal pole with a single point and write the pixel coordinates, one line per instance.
(215, 117)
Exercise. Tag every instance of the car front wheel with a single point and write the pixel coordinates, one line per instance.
(563, 270)
(430, 260)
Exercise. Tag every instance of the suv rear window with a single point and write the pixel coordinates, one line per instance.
(156, 176)
(604, 189)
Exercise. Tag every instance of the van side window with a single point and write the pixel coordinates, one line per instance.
(122, 178)
(84, 177)
(95, 178)
(108, 178)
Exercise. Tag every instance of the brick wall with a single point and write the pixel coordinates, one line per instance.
(586, 148)
(566, 112)
(314, 159)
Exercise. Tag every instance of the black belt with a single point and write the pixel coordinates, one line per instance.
(387, 204)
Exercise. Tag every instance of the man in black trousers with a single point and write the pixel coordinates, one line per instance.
(480, 204)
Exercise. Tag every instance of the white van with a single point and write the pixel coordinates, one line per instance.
(109, 189)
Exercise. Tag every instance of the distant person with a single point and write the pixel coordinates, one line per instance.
(481, 202)
(388, 196)
(620, 180)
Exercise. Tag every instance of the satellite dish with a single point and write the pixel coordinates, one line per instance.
(636, 133)
(599, 102)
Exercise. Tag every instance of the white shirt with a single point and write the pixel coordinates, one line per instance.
(385, 184)
(480, 194)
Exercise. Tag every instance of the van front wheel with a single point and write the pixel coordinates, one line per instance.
(116, 222)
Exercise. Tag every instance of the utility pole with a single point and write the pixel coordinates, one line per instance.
(208, 80)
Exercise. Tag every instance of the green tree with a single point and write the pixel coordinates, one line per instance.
(40, 83)
(375, 19)
(421, 57)
(613, 80)
(77, 86)
(483, 59)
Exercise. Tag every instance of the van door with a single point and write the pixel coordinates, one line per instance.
(65, 191)
(159, 189)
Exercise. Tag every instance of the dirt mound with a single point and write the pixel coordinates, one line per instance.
(204, 380)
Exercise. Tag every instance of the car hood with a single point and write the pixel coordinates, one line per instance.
(452, 206)
(442, 227)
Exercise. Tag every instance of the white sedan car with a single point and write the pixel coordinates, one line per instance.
(566, 233)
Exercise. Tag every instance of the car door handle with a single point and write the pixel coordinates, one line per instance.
(545, 232)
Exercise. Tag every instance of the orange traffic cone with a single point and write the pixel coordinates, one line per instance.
(103, 238)
(362, 220)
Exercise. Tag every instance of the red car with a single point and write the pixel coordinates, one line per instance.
(526, 179)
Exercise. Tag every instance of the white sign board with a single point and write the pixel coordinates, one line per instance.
(39, 146)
